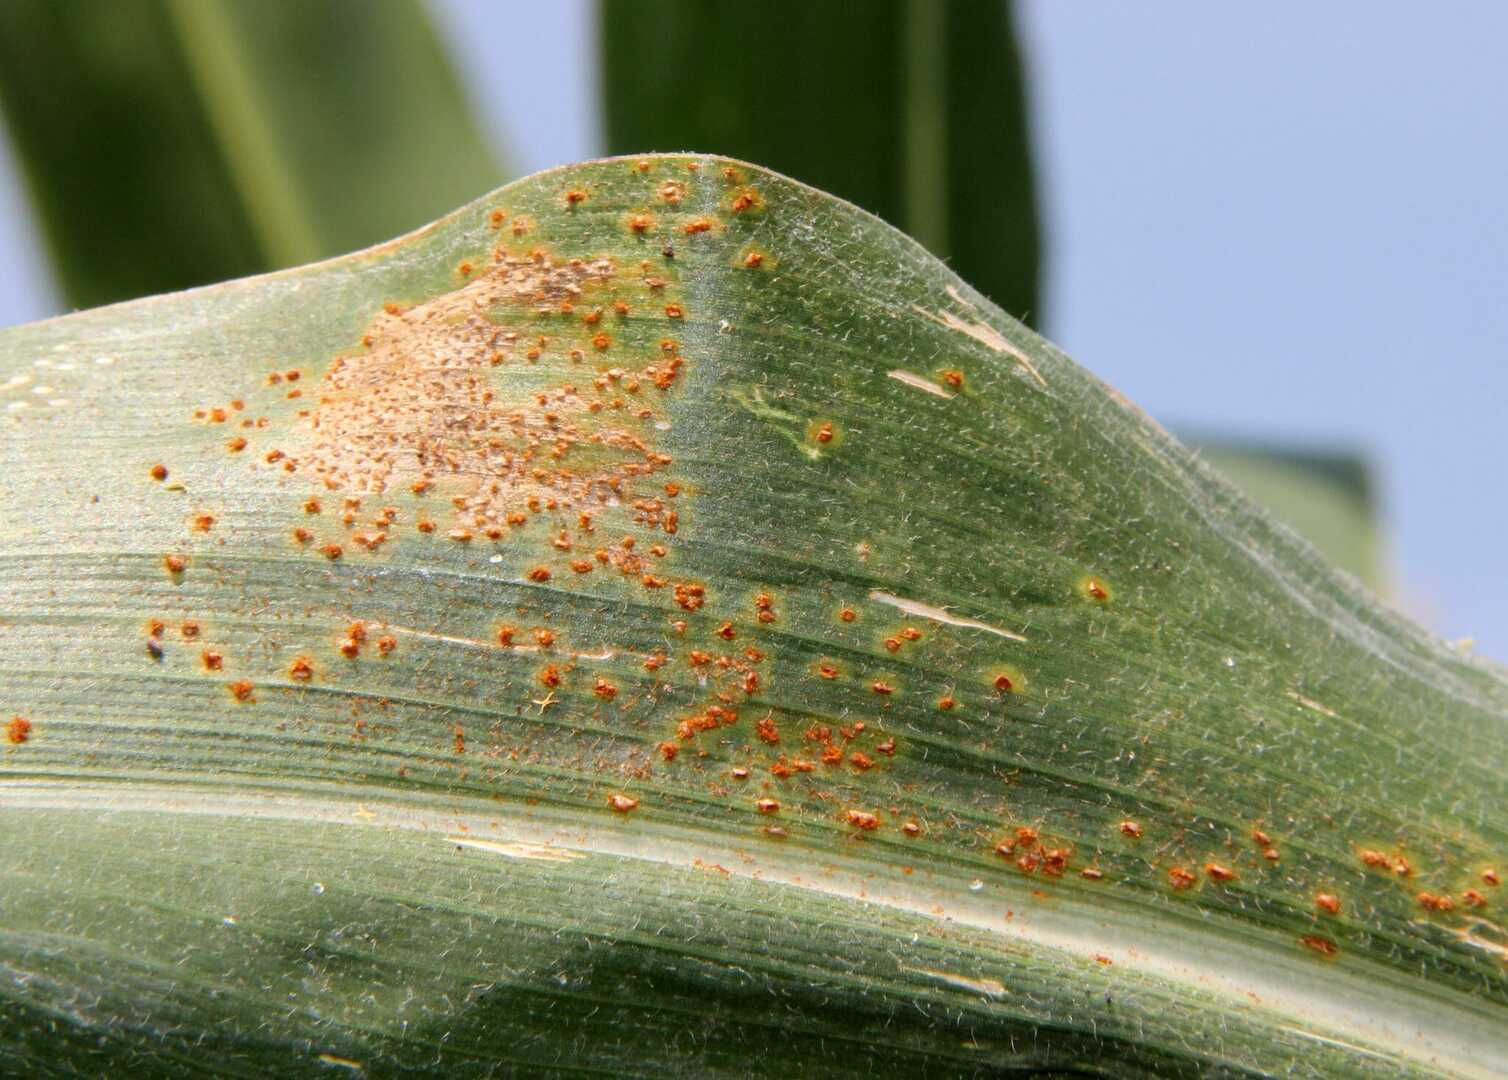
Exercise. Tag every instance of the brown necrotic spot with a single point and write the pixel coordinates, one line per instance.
(422, 406)
(1324, 946)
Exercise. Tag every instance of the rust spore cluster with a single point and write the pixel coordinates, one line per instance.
(520, 417)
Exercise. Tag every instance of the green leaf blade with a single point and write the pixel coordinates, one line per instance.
(1119, 636)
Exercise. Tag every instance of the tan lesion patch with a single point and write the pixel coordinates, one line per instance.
(424, 405)
(986, 335)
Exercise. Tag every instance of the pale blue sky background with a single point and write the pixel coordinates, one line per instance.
(1285, 222)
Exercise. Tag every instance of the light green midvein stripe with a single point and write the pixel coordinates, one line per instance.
(1351, 1003)
(924, 144)
(240, 122)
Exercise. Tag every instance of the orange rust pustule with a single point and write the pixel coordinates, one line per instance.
(1093, 588)
(862, 819)
(17, 730)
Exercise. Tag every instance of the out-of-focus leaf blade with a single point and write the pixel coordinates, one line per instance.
(913, 109)
(170, 143)
(1327, 497)
(658, 620)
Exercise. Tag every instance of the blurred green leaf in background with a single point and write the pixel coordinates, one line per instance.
(170, 143)
(1328, 497)
(914, 109)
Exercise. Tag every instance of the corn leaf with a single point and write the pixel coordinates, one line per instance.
(659, 620)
